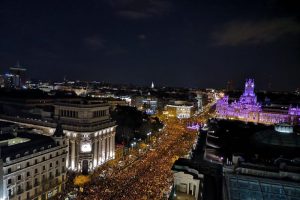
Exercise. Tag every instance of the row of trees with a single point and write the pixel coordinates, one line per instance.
(133, 123)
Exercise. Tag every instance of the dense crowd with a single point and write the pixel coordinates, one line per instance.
(147, 176)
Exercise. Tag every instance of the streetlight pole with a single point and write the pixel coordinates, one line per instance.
(148, 136)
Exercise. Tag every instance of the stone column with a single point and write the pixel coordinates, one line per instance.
(192, 185)
(107, 147)
(95, 156)
(111, 146)
(68, 153)
(73, 154)
(103, 149)
(99, 150)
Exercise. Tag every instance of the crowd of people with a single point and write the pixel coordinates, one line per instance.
(150, 175)
(144, 176)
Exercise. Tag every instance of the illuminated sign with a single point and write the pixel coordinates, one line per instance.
(86, 147)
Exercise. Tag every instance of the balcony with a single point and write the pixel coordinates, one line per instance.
(36, 184)
(28, 187)
(20, 191)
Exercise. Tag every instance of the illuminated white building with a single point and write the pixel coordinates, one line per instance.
(89, 130)
(33, 166)
(199, 102)
(90, 133)
(179, 111)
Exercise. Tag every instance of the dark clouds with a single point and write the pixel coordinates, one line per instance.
(171, 42)
(140, 9)
(256, 32)
(94, 42)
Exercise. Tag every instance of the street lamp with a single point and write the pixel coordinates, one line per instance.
(148, 135)
(133, 144)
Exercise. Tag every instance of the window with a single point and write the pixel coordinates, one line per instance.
(50, 164)
(50, 156)
(36, 181)
(28, 195)
(18, 166)
(28, 174)
(56, 153)
(9, 181)
(57, 163)
(44, 158)
(35, 161)
(63, 159)
(10, 192)
(44, 167)
(36, 171)
(9, 170)
(27, 164)
(19, 177)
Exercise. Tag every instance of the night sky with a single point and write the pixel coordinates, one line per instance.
(175, 43)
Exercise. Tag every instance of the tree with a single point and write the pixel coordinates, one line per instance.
(174, 158)
(143, 145)
(81, 180)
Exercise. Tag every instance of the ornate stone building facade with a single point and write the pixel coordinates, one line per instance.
(90, 133)
(248, 109)
(33, 166)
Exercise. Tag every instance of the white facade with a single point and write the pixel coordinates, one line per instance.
(186, 183)
(179, 111)
(90, 134)
(39, 174)
(90, 149)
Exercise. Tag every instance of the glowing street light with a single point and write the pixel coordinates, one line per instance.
(148, 135)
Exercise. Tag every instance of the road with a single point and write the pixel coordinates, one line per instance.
(147, 175)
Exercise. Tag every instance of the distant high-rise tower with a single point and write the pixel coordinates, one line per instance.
(199, 102)
(20, 75)
(152, 85)
(249, 88)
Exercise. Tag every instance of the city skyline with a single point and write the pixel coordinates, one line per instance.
(172, 43)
